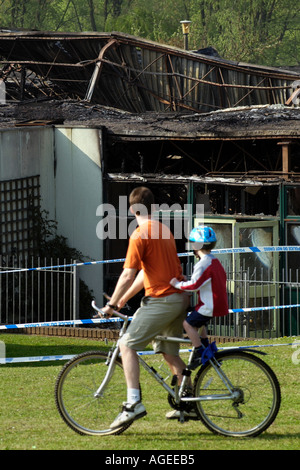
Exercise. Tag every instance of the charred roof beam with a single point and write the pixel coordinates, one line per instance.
(98, 69)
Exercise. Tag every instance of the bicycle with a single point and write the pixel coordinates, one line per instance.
(235, 393)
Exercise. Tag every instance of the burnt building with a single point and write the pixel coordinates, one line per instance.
(196, 129)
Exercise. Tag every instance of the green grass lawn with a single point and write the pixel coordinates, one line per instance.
(29, 418)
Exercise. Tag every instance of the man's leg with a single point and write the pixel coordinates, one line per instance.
(177, 365)
(131, 370)
(133, 408)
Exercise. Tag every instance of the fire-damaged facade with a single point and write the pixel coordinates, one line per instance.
(196, 129)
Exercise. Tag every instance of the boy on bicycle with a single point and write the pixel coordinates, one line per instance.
(209, 280)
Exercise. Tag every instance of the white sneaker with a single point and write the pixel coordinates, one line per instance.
(130, 412)
(175, 414)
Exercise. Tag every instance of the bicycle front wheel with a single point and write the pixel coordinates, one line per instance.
(256, 398)
(75, 398)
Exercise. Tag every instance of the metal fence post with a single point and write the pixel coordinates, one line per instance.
(75, 292)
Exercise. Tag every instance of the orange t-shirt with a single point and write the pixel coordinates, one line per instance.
(152, 248)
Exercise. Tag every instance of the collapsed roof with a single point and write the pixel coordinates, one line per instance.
(240, 123)
(221, 118)
(133, 74)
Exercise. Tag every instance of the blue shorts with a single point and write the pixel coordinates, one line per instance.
(197, 319)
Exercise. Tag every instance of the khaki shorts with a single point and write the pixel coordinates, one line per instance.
(157, 316)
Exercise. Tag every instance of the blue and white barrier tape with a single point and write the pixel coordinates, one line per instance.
(59, 323)
(222, 251)
(252, 249)
(257, 249)
(256, 309)
(67, 357)
(98, 320)
(14, 360)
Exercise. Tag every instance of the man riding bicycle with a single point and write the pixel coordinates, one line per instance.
(152, 254)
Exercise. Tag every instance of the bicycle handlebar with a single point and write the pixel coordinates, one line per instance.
(105, 315)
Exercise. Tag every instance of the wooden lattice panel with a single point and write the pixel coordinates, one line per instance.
(19, 199)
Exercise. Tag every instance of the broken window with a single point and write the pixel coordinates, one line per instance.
(240, 200)
(293, 200)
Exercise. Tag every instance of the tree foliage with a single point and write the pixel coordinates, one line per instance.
(259, 31)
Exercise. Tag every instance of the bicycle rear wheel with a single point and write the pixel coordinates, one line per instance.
(75, 391)
(257, 395)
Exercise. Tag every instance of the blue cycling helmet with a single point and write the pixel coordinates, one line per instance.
(202, 234)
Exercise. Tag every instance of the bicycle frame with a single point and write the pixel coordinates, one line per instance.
(175, 392)
(246, 411)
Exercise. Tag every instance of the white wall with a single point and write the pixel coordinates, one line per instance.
(78, 186)
(69, 164)
(24, 151)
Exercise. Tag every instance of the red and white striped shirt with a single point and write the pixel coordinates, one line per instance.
(209, 280)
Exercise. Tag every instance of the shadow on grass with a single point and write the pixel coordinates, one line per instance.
(23, 348)
(206, 434)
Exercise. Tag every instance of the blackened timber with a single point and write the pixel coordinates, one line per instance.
(140, 75)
